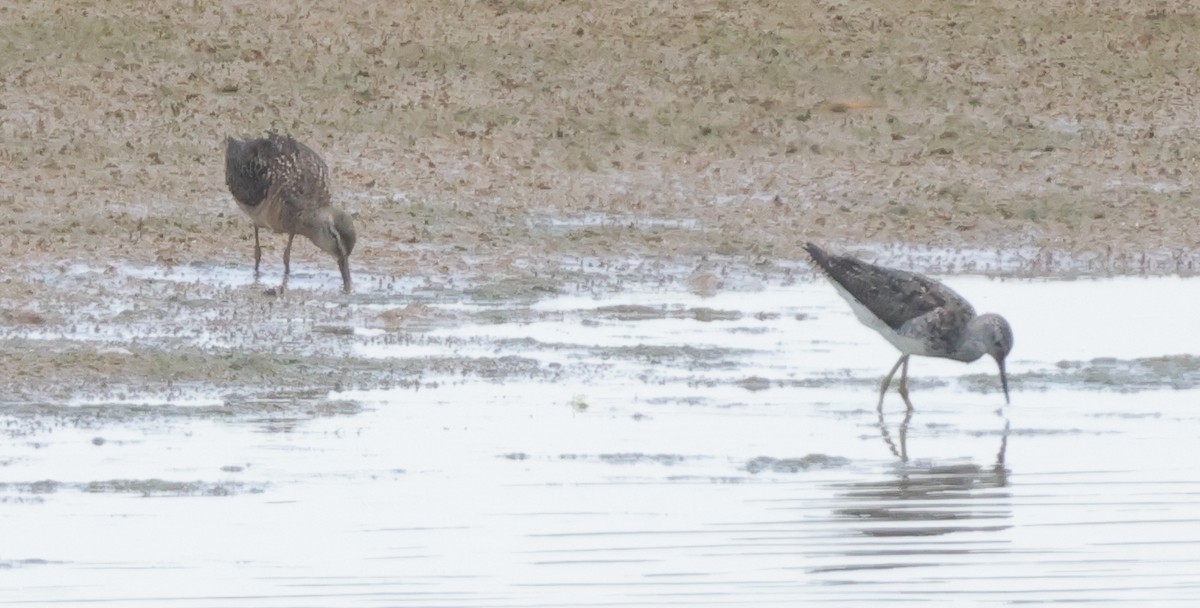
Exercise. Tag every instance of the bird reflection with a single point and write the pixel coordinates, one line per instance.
(900, 451)
(921, 513)
(929, 491)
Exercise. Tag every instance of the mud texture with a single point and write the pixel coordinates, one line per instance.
(505, 151)
(494, 138)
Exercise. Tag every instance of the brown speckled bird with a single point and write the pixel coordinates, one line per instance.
(282, 185)
(917, 314)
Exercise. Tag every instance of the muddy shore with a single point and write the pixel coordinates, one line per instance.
(482, 138)
(507, 150)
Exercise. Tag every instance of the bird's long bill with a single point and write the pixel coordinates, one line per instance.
(344, 266)
(1003, 379)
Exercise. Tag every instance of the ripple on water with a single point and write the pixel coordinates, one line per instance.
(640, 448)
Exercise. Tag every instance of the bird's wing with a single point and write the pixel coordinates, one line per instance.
(894, 296)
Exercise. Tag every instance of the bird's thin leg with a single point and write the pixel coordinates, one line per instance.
(888, 380)
(257, 252)
(903, 388)
(287, 264)
(287, 256)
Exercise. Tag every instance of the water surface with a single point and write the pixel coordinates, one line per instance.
(643, 446)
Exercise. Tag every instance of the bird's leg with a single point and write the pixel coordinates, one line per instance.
(257, 252)
(888, 380)
(903, 388)
(287, 263)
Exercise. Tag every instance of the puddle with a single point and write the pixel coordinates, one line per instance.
(644, 446)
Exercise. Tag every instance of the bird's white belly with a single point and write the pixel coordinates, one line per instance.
(904, 344)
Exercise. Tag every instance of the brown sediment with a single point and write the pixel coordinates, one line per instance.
(1060, 128)
(506, 151)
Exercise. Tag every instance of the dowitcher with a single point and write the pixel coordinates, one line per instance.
(283, 185)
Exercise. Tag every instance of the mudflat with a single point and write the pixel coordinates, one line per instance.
(585, 360)
(467, 135)
(503, 151)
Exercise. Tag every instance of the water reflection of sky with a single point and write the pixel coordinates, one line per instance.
(627, 479)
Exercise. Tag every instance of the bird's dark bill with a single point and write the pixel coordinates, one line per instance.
(1003, 380)
(344, 266)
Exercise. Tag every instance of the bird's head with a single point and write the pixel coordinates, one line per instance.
(336, 237)
(996, 337)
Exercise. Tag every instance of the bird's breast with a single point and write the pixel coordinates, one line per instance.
(268, 214)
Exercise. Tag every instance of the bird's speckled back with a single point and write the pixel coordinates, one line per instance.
(297, 173)
(276, 166)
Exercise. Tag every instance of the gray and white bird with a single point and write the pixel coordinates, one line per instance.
(918, 315)
(283, 185)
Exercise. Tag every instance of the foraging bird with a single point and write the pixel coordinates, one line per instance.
(918, 315)
(282, 185)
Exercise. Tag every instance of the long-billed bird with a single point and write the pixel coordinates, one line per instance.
(283, 185)
(918, 315)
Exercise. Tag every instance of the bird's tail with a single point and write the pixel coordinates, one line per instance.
(818, 255)
(235, 149)
(244, 172)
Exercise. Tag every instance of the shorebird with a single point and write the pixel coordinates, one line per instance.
(282, 185)
(918, 315)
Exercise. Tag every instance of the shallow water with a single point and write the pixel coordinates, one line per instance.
(661, 448)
